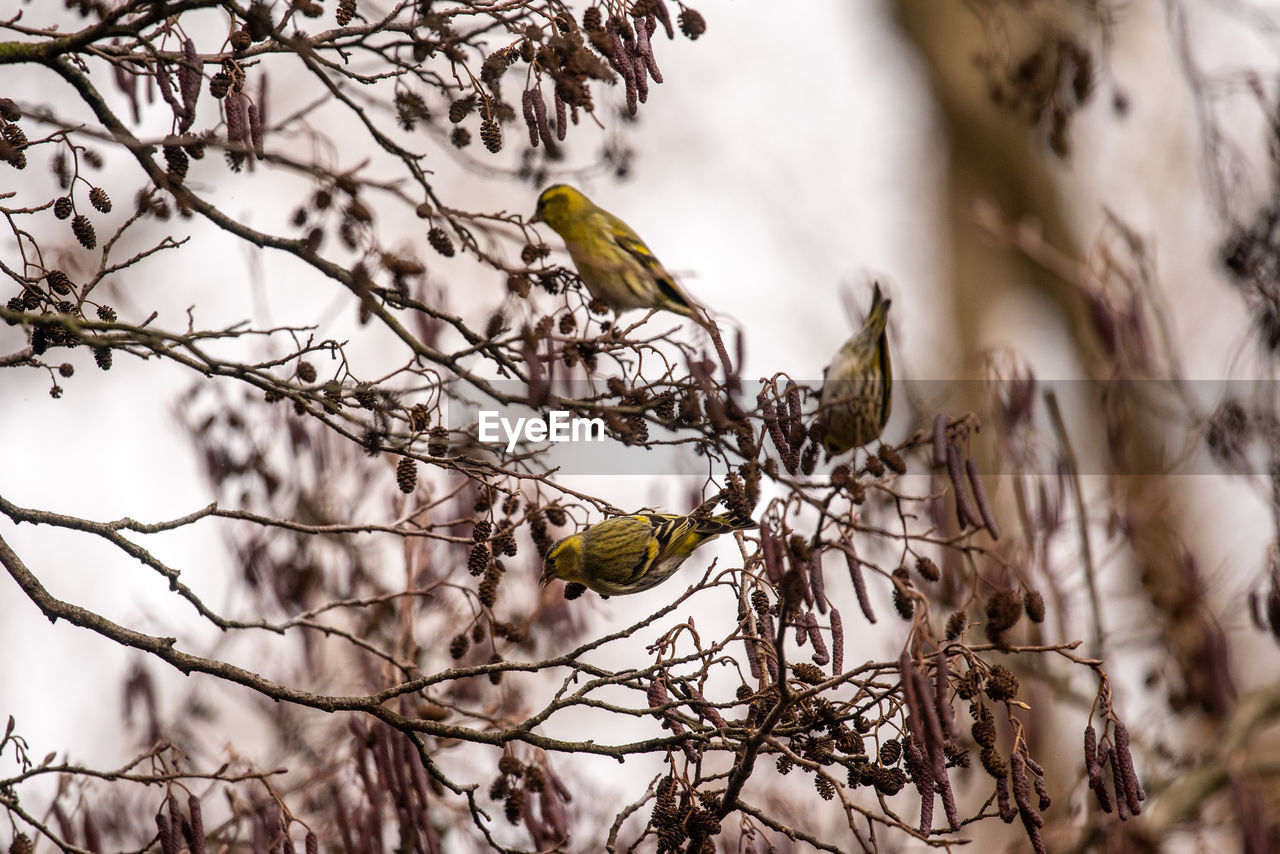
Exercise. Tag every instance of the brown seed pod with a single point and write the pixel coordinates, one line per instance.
(489, 585)
(505, 543)
(407, 474)
(58, 282)
(15, 157)
(83, 230)
(478, 559)
(440, 241)
(460, 108)
(220, 85)
(491, 135)
(902, 601)
(1033, 604)
(826, 789)
(968, 685)
(177, 162)
(1002, 684)
(99, 199)
(809, 460)
(258, 22)
(14, 135)
(692, 24)
(887, 781)
(874, 467)
(438, 444)
(808, 673)
(1003, 611)
(892, 459)
(993, 763)
(458, 646)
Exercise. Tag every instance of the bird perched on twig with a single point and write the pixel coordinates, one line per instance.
(857, 387)
(613, 262)
(628, 554)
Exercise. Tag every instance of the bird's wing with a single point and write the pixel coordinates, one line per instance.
(636, 249)
(675, 534)
(724, 523)
(886, 374)
(629, 540)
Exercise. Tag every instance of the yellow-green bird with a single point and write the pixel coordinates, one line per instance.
(627, 554)
(614, 263)
(857, 387)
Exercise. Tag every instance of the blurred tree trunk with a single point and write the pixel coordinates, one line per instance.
(998, 156)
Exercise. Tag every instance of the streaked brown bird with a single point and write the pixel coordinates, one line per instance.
(613, 262)
(627, 554)
(857, 387)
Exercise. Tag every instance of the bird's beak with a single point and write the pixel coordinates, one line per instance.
(548, 573)
(537, 216)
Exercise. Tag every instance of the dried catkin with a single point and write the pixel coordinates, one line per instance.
(821, 656)
(855, 576)
(530, 120)
(966, 515)
(255, 132)
(817, 584)
(940, 422)
(980, 495)
(837, 643)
